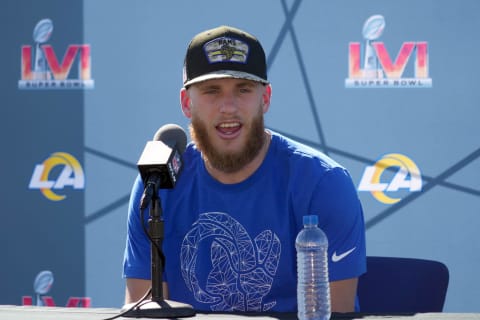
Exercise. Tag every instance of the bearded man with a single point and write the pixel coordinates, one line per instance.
(233, 216)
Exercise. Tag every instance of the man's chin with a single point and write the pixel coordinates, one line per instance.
(228, 163)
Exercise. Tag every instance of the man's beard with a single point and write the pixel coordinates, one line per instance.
(233, 161)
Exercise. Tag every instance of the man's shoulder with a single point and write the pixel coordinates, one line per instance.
(301, 152)
(191, 152)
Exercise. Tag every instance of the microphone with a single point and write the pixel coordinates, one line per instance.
(160, 166)
(161, 163)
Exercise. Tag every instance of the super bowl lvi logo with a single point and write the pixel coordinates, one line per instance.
(41, 68)
(378, 69)
(42, 284)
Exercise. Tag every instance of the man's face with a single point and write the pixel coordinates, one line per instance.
(227, 121)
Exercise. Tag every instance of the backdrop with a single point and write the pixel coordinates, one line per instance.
(387, 88)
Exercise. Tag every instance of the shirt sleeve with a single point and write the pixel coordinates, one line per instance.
(136, 262)
(342, 220)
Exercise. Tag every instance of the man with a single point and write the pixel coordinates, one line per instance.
(233, 216)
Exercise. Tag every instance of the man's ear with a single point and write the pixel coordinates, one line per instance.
(266, 97)
(185, 103)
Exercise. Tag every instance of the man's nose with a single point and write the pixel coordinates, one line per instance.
(228, 103)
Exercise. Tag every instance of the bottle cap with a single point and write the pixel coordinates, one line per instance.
(310, 220)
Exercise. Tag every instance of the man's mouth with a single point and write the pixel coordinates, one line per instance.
(229, 128)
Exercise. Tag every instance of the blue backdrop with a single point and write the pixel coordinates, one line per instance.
(398, 109)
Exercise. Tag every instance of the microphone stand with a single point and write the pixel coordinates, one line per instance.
(157, 307)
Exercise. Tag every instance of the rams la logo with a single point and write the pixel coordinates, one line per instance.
(407, 176)
(70, 174)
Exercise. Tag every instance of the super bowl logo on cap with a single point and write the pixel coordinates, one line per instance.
(226, 49)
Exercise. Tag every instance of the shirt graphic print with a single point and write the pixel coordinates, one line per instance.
(241, 269)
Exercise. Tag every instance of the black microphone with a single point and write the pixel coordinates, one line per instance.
(160, 165)
(161, 161)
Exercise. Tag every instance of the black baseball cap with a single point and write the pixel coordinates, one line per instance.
(224, 52)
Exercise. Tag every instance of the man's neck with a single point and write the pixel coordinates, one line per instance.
(246, 171)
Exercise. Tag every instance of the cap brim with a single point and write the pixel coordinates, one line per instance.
(222, 74)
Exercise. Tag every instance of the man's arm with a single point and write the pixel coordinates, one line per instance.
(137, 288)
(342, 295)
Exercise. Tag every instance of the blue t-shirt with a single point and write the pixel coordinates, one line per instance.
(231, 247)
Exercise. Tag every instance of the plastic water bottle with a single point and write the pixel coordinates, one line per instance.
(313, 289)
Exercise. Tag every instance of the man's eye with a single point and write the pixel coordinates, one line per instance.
(211, 91)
